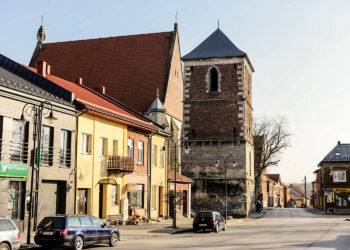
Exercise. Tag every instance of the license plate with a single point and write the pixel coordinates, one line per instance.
(47, 233)
(202, 225)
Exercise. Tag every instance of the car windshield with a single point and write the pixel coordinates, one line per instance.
(205, 215)
(52, 222)
(6, 225)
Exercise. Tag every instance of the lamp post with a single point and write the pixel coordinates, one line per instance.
(233, 165)
(37, 112)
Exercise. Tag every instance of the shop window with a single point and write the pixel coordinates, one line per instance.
(65, 148)
(140, 152)
(47, 145)
(19, 142)
(154, 155)
(339, 176)
(86, 144)
(136, 197)
(131, 148)
(114, 195)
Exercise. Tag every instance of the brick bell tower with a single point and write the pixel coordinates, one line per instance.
(217, 124)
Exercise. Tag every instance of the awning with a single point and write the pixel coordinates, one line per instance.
(109, 180)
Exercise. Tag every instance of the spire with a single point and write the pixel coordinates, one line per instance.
(41, 35)
(156, 104)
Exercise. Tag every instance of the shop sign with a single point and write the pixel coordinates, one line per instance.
(341, 189)
(13, 169)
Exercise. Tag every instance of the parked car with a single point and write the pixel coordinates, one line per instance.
(75, 231)
(10, 237)
(209, 220)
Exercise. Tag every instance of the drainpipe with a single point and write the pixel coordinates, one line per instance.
(149, 176)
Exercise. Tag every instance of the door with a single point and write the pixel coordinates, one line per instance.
(100, 213)
(82, 201)
(89, 230)
(102, 232)
(184, 206)
(161, 194)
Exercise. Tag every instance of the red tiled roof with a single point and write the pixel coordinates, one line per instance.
(95, 101)
(130, 67)
(179, 177)
(274, 177)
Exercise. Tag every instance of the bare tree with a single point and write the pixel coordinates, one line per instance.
(271, 138)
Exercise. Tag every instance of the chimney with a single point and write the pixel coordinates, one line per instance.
(79, 81)
(101, 90)
(42, 68)
(48, 69)
(338, 142)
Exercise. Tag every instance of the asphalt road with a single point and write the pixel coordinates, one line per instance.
(291, 228)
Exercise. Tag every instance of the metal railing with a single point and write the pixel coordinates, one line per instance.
(65, 157)
(18, 151)
(123, 164)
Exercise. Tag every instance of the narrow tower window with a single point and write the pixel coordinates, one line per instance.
(214, 80)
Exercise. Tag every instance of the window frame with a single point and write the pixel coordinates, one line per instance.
(140, 152)
(114, 199)
(154, 156)
(161, 159)
(140, 189)
(131, 148)
(49, 162)
(115, 147)
(66, 153)
(154, 197)
(336, 173)
(86, 143)
(103, 146)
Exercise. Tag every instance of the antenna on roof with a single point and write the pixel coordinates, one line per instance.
(176, 17)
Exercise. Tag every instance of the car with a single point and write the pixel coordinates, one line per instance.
(10, 237)
(209, 220)
(75, 231)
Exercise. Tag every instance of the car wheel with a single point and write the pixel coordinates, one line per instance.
(78, 243)
(216, 229)
(224, 228)
(114, 240)
(4, 246)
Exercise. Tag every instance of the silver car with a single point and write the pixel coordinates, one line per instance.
(9, 235)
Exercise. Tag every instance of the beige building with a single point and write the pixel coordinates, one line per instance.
(21, 92)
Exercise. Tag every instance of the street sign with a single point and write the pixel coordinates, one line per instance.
(13, 169)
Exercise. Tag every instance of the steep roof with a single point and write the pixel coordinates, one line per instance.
(16, 76)
(340, 153)
(274, 177)
(96, 102)
(131, 67)
(297, 191)
(179, 177)
(216, 45)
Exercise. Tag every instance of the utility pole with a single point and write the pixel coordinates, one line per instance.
(305, 189)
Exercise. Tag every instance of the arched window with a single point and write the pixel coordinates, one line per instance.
(214, 80)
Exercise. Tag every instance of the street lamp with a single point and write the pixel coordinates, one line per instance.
(186, 150)
(233, 165)
(37, 112)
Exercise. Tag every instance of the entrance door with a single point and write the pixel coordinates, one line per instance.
(161, 194)
(82, 201)
(100, 213)
(185, 211)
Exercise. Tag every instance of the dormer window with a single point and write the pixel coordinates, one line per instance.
(213, 80)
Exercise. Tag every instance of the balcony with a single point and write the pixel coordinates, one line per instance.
(123, 165)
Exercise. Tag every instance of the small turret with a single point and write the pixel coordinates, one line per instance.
(157, 110)
(41, 35)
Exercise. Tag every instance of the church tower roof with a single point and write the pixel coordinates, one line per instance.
(156, 104)
(216, 45)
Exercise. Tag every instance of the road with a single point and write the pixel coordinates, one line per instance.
(280, 228)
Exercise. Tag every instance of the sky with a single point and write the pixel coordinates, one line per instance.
(300, 51)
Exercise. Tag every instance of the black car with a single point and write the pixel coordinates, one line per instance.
(209, 220)
(74, 231)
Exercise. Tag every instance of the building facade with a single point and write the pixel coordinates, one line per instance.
(21, 90)
(218, 118)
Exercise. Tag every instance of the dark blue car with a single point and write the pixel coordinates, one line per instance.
(209, 220)
(74, 231)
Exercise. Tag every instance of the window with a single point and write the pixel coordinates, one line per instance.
(73, 222)
(103, 146)
(47, 145)
(85, 221)
(115, 148)
(161, 159)
(6, 225)
(131, 148)
(16, 195)
(154, 196)
(65, 148)
(114, 195)
(140, 154)
(19, 142)
(96, 222)
(339, 176)
(136, 197)
(214, 80)
(86, 144)
(154, 155)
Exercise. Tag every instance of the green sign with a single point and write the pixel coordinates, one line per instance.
(13, 169)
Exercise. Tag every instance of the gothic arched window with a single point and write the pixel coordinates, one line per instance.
(214, 80)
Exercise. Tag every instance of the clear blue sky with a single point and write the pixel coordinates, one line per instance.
(300, 51)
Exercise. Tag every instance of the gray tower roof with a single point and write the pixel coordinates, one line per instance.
(216, 45)
(156, 104)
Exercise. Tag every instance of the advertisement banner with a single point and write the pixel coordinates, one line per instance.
(13, 169)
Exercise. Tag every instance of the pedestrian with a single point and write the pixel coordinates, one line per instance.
(258, 206)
